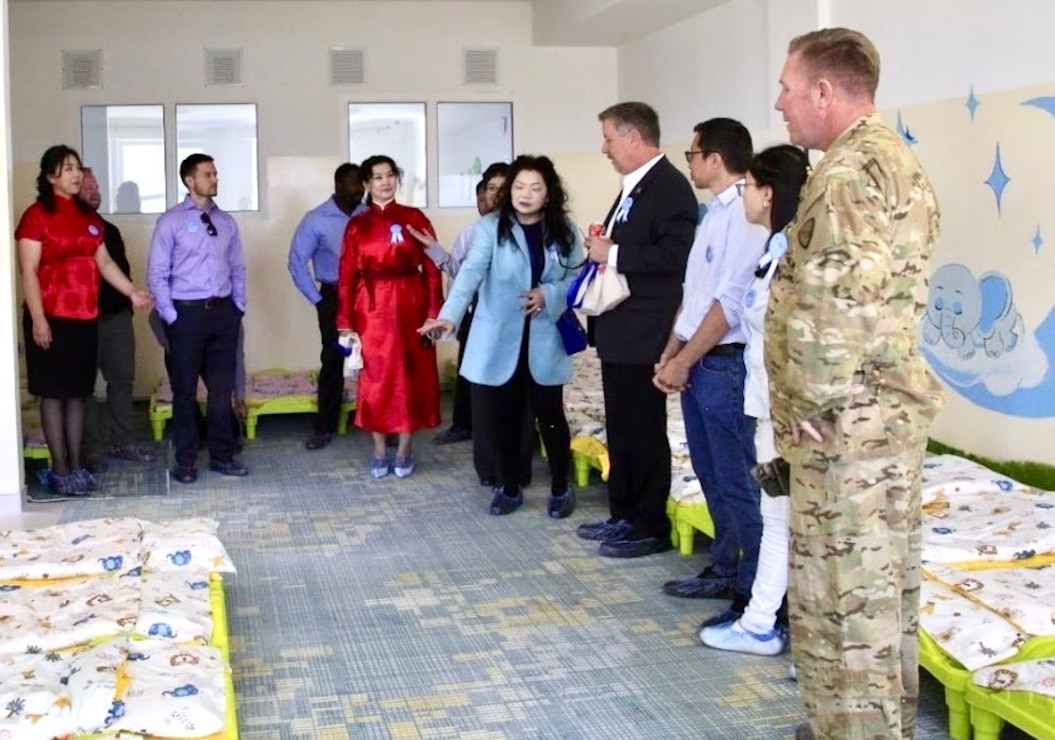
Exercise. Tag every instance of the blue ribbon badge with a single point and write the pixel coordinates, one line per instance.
(709, 254)
(397, 234)
(778, 245)
(624, 209)
(93, 229)
(192, 227)
(749, 298)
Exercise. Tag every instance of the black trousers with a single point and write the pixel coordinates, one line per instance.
(203, 344)
(501, 412)
(462, 415)
(331, 372)
(638, 449)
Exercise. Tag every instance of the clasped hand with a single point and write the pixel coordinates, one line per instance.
(141, 298)
(670, 375)
(534, 301)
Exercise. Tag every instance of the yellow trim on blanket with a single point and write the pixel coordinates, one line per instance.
(1033, 562)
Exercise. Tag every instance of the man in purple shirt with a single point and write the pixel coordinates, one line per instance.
(318, 240)
(196, 271)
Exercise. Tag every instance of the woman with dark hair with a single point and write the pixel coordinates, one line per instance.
(386, 288)
(522, 258)
(771, 195)
(61, 255)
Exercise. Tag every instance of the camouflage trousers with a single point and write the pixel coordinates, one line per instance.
(853, 595)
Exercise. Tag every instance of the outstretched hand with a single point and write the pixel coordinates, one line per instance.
(422, 236)
(436, 328)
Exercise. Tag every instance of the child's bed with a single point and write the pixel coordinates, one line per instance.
(115, 626)
(274, 391)
(987, 599)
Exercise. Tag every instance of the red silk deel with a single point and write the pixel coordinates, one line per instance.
(387, 288)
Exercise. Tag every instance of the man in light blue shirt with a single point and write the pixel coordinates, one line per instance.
(704, 360)
(196, 271)
(318, 240)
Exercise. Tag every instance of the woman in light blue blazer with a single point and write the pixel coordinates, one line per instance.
(522, 258)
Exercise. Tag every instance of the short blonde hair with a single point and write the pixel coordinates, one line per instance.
(844, 56)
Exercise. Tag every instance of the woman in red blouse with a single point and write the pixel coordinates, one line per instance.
(387, 288)
(61, 256)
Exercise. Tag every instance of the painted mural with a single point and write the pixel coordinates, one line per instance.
(989, 329)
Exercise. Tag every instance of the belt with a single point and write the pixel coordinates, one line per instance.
(207, 303)
(327, 284)
(724, 350)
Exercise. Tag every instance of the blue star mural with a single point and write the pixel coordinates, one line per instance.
(1045, 104)
(972, 102)
(1038, 241)
(904, 132)
(998, 179)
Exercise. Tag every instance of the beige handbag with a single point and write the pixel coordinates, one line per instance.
(598, 288)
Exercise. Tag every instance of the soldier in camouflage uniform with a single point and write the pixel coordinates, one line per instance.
(852, 399)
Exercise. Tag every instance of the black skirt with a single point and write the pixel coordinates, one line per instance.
(66, 369)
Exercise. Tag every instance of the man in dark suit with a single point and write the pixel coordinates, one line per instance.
(647, 238)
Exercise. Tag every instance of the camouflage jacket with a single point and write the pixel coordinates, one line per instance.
(842, 323)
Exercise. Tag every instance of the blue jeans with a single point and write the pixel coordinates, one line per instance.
(722, 447)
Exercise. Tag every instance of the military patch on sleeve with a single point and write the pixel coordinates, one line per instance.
(805, 233)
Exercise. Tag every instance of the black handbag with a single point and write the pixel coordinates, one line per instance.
(572, 332)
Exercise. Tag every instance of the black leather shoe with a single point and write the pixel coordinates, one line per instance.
(317, 441)
(804, 732)
(635, 548)
(452, 435)
(184, 473)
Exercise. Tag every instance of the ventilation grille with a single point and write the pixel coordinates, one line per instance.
(347, 66)
(223, 67)
(481, 67)
(82, 69)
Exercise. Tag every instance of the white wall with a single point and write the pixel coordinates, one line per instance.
(152, 52)
(714, 64)
(10, 423)
(931, 50)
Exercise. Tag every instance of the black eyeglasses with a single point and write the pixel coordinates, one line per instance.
(741, 186)
(210, 227)
(693, 152)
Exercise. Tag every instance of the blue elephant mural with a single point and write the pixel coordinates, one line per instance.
(976, 340)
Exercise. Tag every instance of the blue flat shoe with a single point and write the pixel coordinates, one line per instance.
(378, 467)
(558, 507)
(403, 466)
(501, 504)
